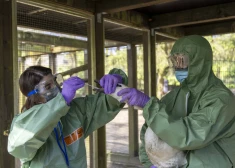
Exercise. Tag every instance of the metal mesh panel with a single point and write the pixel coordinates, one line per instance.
(121, 33)
(39, 18)
(54, 40)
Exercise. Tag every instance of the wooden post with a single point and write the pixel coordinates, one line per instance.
(146, 56)
(153, 74)
(52, 62)
(91, 76)
(21, 69)
(8, 76)
(133, 114)
(86, 62)
(99, 46)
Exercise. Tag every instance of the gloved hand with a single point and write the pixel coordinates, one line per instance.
(133, 97)
(153, 166)
(109, 82)
(70, 86)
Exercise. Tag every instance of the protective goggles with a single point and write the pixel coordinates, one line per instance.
(48, 84)
(178, 61)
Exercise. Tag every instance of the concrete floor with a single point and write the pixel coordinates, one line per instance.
(117, 136)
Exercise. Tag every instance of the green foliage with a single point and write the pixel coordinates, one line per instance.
(223, 47)
(164, 72)
(140, 67)
(115, 57)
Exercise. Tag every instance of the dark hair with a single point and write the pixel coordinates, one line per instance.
(28, 80)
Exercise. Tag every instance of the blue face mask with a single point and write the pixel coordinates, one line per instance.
(181, 75)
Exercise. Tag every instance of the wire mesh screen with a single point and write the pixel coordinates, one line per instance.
(225, 70)
(52, 39)
(37, 17)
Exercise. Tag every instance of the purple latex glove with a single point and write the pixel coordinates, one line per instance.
(133, 97)
(109, 82)
(70, 86)
(153, 166)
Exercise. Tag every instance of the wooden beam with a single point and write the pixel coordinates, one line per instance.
(172, 33)
(36, 38)
(166, 35)
(194, 16)
(110, 43)
(211, 28)
(36, 11)
(86, 5)
(132, 113)
(100, 71)
(161, 39)
(129, 18)
(81, 21)
(93, 153)
(8, 76)
(124, 5)
(34, 48)
(116, 28)
(75, 70)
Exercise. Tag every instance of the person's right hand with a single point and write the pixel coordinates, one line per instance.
(109, 82)
(70, 86)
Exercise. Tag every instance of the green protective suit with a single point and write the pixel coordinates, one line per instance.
(199, 116)
(33, 141)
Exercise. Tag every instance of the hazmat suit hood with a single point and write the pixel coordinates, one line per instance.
(200, 56)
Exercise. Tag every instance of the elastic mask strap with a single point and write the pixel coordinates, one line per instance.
(64, 151)
(32, 92)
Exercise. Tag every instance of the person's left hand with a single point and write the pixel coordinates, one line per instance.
(133, 97)
(109, 82)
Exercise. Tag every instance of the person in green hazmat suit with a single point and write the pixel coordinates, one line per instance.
(197, 118)
(51, 130)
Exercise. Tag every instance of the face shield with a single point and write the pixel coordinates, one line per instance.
(49, 86)
(179, 62)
